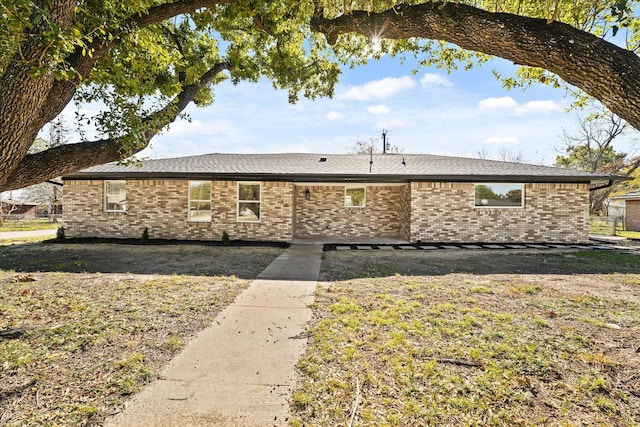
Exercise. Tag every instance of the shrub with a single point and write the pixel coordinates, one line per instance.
(225, 237)
(145, 235)
(60, 234)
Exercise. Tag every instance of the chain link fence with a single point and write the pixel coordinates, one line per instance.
(608, 225)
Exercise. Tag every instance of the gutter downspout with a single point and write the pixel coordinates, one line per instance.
(600, 187)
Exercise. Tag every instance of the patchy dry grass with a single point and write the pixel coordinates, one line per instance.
(460, 349)
(92, 340)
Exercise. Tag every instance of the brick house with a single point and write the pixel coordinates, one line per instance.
(632, 210)
(14, 210)
(334, 197)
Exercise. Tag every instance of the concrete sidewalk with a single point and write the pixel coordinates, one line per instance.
(22, 234)
(240, 371)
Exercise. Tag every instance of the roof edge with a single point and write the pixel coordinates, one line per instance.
(341, 177)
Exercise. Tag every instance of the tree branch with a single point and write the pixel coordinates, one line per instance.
(64, 90)
(601, 69)
(64, 159)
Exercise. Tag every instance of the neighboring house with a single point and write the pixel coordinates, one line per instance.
(279, 197)
(15, 210)
(49, 211)
(632, 210)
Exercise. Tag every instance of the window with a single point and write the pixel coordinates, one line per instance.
(115, 196)
(249, 202)
(354, 197)
(199, 201)
(499, 195)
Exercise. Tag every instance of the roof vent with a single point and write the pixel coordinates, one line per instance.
(323, 159)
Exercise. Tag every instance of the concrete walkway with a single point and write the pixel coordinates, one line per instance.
(22, 234)
(240, 371)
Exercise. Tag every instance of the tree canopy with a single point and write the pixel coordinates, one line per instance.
(146, 60)
(590, 147)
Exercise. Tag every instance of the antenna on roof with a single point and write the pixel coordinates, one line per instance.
(370, 159)
(385, 145)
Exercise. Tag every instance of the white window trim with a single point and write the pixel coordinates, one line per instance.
(189, 200)
(351, 187)
(499, 183)
(105, 203)
(238, 201)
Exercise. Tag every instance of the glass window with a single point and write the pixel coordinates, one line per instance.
(199, 200)
(249, 202)
(115, 196)
(354, 197)
(499, 195)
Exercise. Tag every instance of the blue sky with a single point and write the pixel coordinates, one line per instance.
(432, 112)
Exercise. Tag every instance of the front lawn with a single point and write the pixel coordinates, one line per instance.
(94, 331)
(413, 343)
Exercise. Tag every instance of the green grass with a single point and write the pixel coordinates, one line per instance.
(596, 262)
(19, 240)
(629, 234)
(28, 225)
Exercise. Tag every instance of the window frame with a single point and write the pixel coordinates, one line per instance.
(364, 197)
(105, 196)
(522, 195)
(190, 200)
(258, 202)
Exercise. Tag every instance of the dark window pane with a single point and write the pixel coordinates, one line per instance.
(249, 192)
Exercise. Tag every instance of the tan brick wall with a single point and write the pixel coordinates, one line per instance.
(324, 214)
(161, 206)
(632, 215)
(445, 212)
(442, 212)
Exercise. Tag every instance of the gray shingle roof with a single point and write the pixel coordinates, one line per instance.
(634, 195)
(342, 167)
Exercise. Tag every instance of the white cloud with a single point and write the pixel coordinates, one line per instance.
(497, 103)
(334, 115)
(538, 107)
(378, 109)
(526, 109)
(501, 140)
(378, 89)
(430, 80)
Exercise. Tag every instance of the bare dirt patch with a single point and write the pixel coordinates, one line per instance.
(100, 321)
(473, 338)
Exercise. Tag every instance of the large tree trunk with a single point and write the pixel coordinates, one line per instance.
(22, 95)
(601, 69)
(64, 159)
